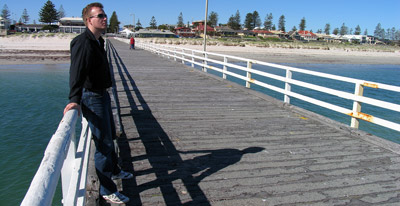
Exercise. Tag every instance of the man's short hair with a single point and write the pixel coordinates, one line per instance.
(87, 9)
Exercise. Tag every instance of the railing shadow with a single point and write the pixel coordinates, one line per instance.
(165, 160)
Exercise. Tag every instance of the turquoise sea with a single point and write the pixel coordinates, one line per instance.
(32, 99)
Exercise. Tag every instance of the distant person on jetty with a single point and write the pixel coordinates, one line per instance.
(132, 43)
(89, 79)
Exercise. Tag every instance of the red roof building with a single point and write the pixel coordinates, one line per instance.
(307, 35)
(199, 29)
(184, 32)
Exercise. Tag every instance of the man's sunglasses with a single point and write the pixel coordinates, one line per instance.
(100, 16)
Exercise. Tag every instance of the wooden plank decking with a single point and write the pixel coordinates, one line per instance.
(191, 139)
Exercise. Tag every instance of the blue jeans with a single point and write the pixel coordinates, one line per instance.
(96, 108)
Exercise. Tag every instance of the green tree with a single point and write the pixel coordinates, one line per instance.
(248, 22)
(256, 19)
(344, 30)
(24, 17)
(366, 32)
(138, 25)
(61, 12)
(327, 29)
(335, 31)
(114, 23)
(357, 30)
(268, 22)
(393, 34)
(302, 24)
(273, 27)
(234, 21)
(379, 31)
(48, 14)
(5, 13)
(282, 22)
(163, 27)
(213, 19)
(294, 28)
(397, 35)
(153, 23)
(180, 20)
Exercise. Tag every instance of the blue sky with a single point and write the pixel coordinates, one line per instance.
(366, 13)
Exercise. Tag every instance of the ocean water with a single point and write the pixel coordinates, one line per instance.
(32, 99)
(387, 74)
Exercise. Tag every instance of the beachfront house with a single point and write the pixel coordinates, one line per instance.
(199, 28)
(184, 32)
(293, 35)
(244, 33)
(29, 28)
(362, 39)
(154, 33)
(324, 37)
(266, 34)
(71, 25)
(308, 35)
(3, 29)
(225, 31)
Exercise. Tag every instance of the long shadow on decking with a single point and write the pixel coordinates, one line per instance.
(164, 158)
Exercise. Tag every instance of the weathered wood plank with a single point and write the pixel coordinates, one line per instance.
(191, 139)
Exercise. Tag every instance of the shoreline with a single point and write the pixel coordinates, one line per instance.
(54, 49)
(39, 48)
(301, 55)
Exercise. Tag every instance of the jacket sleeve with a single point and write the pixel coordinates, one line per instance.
(78, 70)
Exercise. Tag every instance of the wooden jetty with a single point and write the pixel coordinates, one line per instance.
(194, 139)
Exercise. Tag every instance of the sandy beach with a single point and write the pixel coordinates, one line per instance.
(35, 49)
(54, 49)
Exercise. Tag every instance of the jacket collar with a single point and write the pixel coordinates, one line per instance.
(91, 36)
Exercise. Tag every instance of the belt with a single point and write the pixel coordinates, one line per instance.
(96, 90)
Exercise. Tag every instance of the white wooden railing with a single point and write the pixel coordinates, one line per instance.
(62, 157)
(201, 58)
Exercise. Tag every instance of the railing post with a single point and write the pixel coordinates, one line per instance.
(183, 56)
(205, 62)
(248, 74)
(225, 67)
(192, 58)
(359, 90)
(287, 86)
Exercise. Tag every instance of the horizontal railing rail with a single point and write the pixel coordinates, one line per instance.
(62, 158)
(202, 59)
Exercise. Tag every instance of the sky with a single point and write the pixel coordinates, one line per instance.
(365, 13)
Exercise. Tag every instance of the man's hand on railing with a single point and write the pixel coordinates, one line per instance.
(73, 106)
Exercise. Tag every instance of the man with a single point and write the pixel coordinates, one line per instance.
(89, 79)
(132, 43)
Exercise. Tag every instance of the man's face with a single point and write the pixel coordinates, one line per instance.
(98, 19)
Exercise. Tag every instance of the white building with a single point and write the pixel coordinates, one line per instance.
(126, 33)
(3, 30)
(362, 39)
(71, 25)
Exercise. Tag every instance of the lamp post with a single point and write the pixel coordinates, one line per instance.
(133, 21)
(205, 28)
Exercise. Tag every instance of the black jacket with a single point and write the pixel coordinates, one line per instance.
(89, 66)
